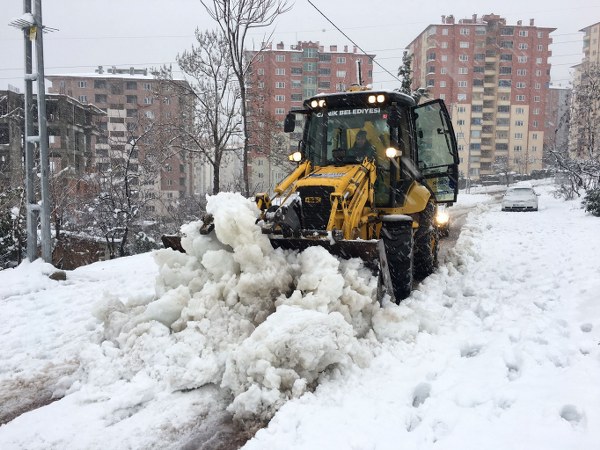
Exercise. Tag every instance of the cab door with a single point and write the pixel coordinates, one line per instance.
(437, 152)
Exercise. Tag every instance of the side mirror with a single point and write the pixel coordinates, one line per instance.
(289, 125)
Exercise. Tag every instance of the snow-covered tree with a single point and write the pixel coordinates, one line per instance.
(405, 73)
(579, 164)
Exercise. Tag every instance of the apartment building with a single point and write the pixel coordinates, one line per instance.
(280, 79)
(71, 136)
(494, 78)
(134, 102)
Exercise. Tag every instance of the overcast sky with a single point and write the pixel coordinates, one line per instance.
(149, 33)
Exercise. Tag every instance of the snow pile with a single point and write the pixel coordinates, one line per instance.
(234, 312)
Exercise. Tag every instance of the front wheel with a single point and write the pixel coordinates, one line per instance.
(426, 244)
(398, 244)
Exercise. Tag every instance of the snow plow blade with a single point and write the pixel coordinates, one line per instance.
(368, 251)
(172, 242)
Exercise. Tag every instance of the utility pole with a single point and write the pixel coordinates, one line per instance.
(31, 25)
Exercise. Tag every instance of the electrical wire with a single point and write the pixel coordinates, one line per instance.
(354, 43)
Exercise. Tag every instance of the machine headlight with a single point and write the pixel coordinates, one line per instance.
(442, 217)
(296, 157)
(392, 152)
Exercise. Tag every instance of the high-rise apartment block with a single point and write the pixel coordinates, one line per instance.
(494, 78)
(280, 80)
(134, 102)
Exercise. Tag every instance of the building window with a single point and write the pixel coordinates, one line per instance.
(506, 44)
(442, 84)
(296, 70)
(279, 111)
(340, 74)
(431, 82)
(82, 83)
(520, 98)
(540, 48)
(523, 46)
(536, 98)
(310, 67)
(538, 60)
(522, 59)
(505, 70)
(341, 60)
(99, 84)
(463, 70)
(131, 85)
(280, 71)
(520, 110)
(100, 98)
(280, 85)
(464, 31)
(261, 84)
(131, 99)
(506, 57)
(462, 84)
(280, 58)
(260, 71)
(444, 31)
(464, 44)
(523, 33)
(534, 136)
(461, 97)
(280, 98)
(521, 85)
(504, 83)
(519, 123)
(310, 52)
(260, 58)
(325, 71)
(296, 84)
(148, 100)
(517, 148)
(463, 57)
(82, 98)
(149, 114)
(444, 70)
(444, 44)
(297, 97)
(147, 86)
(431, 56)
(507, 31)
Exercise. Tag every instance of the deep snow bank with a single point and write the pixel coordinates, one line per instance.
(263, 323)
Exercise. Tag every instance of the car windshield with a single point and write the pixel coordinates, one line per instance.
(520, 192)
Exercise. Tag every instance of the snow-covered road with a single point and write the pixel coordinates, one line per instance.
(497, 349)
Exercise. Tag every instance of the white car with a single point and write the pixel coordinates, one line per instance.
(520, 198)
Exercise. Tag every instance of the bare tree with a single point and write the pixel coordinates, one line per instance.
(213, 86)
(236, 18)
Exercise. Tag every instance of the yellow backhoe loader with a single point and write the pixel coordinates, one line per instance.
(376, 200)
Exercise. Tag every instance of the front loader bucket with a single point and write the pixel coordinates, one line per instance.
(372, 252)
(368, 251)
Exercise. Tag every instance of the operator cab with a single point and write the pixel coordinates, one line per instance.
(398, 133)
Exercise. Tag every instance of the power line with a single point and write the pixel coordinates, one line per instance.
(350, 39)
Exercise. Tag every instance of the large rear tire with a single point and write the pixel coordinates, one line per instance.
(398, 243)
(426, 244)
